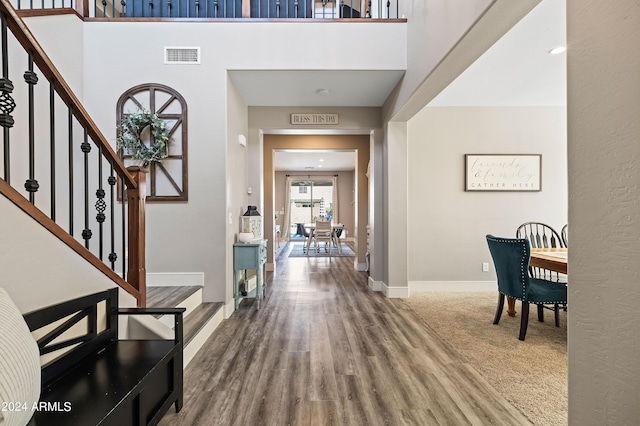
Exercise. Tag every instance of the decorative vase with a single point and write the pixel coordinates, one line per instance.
(245, 237)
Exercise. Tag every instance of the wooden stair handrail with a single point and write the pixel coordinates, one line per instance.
(24, 204)
(29, 43)
(134, 180)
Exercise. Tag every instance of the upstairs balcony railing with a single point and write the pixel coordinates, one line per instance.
(226, 9)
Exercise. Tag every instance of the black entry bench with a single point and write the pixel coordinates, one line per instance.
(101, 380)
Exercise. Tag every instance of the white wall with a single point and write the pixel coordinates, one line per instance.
(195, 236)
(603, 64)
(236, 182)
(65, 48)
(444, 219)
(444, 37)
(38, 270)
(433, 28)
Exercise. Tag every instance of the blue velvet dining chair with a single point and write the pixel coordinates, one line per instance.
(511, 260)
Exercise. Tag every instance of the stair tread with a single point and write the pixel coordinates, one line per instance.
(169, 296)
(198, 318)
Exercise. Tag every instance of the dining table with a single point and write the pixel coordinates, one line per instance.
(554, 259)
(335, 227)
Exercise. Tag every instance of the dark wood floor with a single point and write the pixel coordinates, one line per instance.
(324, 349)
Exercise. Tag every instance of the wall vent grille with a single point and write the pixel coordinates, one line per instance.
(181, 55)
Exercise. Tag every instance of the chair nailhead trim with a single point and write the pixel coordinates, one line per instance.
(523, 266)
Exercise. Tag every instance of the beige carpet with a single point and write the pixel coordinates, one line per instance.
(532, 375)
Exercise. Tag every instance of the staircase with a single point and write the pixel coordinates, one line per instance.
(200, 319)
(75, 192)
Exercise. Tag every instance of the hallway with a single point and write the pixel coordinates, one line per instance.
(324, 349)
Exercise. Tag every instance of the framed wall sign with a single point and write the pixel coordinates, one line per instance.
(503, 172)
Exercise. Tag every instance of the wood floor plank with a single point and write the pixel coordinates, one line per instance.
(326, 350)
(323, 380)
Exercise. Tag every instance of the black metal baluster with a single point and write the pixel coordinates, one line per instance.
(388, 9)
(101, 205)
(104, 8)
(215, 8)
(112, 182)
(70, 172)
(123, 11)
(197, 6)
(295, 6)
(30, 77)
(7, 104)
(277, 8)
(85, 147)
(52, 130)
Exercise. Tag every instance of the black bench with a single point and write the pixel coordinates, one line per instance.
(101, 380)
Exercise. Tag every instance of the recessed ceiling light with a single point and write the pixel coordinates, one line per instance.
(322, 92)
(320, 165)
(557, 50)
(321, 160)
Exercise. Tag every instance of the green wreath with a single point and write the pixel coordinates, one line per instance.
(130, 129)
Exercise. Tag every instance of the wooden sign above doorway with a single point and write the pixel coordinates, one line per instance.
(322, 119)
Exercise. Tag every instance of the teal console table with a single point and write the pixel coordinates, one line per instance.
(246, 256)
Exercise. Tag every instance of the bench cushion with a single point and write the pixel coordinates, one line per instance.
(19, 365)
(110, 382)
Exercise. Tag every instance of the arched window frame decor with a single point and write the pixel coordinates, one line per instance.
(148, 92)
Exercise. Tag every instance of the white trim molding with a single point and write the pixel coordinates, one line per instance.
(395, 292)
(453, 285)
(165, 279)
(375, 285)
(229, 308)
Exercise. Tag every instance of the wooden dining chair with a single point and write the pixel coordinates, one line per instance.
(541, 235)
(511, 261)
(308, 239)
(564, 234)
(323, 233)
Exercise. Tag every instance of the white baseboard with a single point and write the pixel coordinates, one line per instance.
(453, 286)
(395, 292)
(375, 285)
(229, 308)
(164, 279)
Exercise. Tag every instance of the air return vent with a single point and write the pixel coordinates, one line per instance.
(181, 55)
